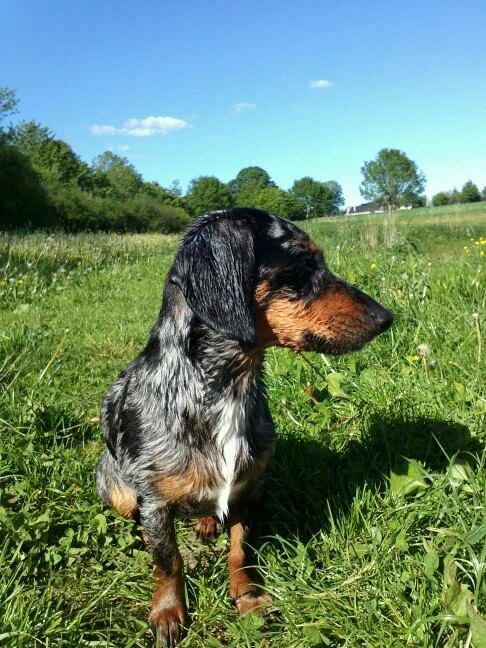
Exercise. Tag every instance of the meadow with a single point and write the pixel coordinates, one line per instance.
(374, 525)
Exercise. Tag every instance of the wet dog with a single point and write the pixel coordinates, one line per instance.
(187, 426)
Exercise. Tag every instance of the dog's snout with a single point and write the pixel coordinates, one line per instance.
(382, 318)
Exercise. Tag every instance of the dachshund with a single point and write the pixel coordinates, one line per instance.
(187, 425)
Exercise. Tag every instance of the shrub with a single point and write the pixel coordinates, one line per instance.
(23, 200)
(440, 199)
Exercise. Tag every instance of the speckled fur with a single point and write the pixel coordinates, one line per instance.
(187, 426)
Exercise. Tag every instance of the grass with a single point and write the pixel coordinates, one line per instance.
(374, 530)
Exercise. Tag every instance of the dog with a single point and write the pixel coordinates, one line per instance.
(187, 425)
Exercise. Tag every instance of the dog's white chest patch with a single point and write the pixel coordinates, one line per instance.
(231, 440)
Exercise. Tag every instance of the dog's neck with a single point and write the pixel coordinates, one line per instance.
(223, 365)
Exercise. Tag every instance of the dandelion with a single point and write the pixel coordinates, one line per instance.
(475, 316)
(373, 265)
(413, 358)
(423, 350)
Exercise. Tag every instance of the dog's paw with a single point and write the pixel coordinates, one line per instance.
(207, 528)
(168, 623)
(253, 601)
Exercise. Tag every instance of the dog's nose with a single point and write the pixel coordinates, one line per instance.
(382, 318)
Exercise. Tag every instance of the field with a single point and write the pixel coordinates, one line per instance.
(374, 530)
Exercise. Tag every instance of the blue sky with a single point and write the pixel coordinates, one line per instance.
(230, 84)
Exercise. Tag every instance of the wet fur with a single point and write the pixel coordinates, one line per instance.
(187, 426)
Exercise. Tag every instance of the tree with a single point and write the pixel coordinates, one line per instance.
(164, 196)
(455, 197)
(248, 183)
(470, 193)
(207, 193)
(8, 103)
(483, 193)
(279, 202)
(175, 188)
(52, 158)
(391, 178)
(440, 199)
(115, 176)
(318, 198)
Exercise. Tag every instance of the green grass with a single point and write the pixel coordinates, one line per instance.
(374, 530)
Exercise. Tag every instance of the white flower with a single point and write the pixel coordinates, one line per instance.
(423, 350)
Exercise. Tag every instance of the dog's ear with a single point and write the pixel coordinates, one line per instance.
(215, 269)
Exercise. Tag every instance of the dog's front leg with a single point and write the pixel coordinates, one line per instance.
(244, 588)
(168, 615)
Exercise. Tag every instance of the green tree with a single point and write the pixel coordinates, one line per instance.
(455, 197)
(248, 183)
(317, 198)
(52, 158)
(175, 188)
(278, 202)
(114, 176)
(440, 199)
(483, 193)
(391, 178)
(470, 193)
(8, 103)
(207, 193)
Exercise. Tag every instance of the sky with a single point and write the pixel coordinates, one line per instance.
(184, 88)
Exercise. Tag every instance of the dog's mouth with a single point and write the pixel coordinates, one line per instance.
(347, 336)
(321, 344)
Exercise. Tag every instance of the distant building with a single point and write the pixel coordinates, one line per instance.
(370, 208)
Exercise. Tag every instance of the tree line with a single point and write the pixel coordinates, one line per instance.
(44, 183)
(469, 193)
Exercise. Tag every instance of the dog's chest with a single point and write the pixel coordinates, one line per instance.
(232, 446)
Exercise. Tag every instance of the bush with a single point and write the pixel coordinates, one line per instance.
(75, 210)
(148, 214)
(23, 200)
(440, 199)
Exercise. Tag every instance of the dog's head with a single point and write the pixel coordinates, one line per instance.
(259, 279)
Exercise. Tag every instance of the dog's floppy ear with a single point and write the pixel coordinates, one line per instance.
(215, 270)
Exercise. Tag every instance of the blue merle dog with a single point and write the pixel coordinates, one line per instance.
(187, 425)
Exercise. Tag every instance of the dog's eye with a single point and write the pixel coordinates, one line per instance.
(298, 278)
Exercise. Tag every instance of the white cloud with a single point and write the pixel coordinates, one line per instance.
(321, 83)
(146, 127)
(243, 105)
(102, 130)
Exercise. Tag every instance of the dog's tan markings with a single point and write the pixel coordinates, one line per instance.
(207, 528)
(337, 303)
(195, 480)
(286, 322)
(246, 594)
(168, 613)
(124, 500)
